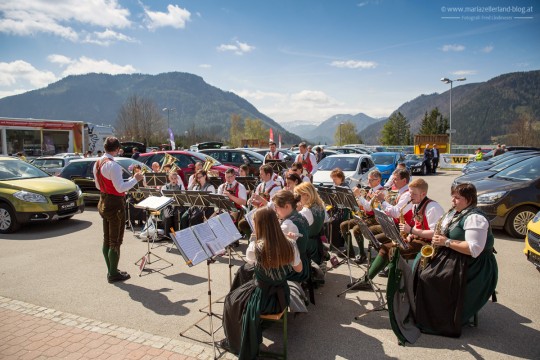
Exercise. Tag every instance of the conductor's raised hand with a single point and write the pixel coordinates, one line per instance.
(138, 176)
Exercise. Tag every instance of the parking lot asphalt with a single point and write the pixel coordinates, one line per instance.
(56, 272)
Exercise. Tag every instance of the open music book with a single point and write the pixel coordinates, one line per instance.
(154, 203)
(203, 241)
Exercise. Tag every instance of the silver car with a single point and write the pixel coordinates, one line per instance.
(355, 167)
(53, 165)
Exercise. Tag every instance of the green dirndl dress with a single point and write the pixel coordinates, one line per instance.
(314, 246)
(302, 243)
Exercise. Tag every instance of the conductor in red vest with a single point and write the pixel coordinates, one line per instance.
(112, 205)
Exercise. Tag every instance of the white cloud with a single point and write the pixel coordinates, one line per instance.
(464, 72)
(106, 38)
(239, 48)
(18, 71)
(205, 66)
(85, 65)
(315, 97)
(453, 47)
(354, 64)
(487, 49)
(175, 17)
(258, 95)
(31, 17)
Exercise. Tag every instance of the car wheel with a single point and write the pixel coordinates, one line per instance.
(516, 223)
(8, 222)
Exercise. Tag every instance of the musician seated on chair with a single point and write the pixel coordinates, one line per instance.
(462, 275)
(274, 258)
(170, 213)
(338, 215)
(366, 202)
(291, 181)
(196, 215)
(192, 182)
(156, 167)
(235, 191)
(425, 214)
(389, 184)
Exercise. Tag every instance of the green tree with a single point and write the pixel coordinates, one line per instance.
(434, 123)
(346, 133)
(254, 129)
(396, 131)
(236, 131)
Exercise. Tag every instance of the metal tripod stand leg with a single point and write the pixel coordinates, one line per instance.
(146, 259)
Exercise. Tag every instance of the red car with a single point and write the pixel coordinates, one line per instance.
(185, 161)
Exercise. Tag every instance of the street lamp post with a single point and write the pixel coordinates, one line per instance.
(450, 131)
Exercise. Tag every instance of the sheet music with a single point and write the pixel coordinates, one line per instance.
(193, 252)
(154, 203)
(229, 226)
(222, 235)
(389, 228)
(249, 218)
(205, 235)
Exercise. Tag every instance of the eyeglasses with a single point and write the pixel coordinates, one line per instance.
(370, 180)
(200, 177)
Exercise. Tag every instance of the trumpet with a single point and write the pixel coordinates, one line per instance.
(428, 251)
(391, 197)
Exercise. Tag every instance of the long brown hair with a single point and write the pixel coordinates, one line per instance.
(307, 188)
(284, 197)
(276, 251)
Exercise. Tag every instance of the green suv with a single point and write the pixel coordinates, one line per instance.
(28, 194)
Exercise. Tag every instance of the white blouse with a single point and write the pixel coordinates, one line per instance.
(476, 229)
(252, 259)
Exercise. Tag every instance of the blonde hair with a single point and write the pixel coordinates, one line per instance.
(419, 184)
(276, 251)
(309, 190)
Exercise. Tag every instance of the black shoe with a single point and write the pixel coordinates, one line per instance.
(360, 285)
(236, 243)
(360, 259)
(224, 344)
(384, 273)
(121, 276)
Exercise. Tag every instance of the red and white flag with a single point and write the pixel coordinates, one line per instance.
(279, 137)
(271, 135)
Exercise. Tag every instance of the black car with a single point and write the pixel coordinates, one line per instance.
(237, 157)
(494, 169)
(511, 198)
(81, 172)
(415, 164)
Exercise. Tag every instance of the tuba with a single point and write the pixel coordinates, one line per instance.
(207, 166)
(169, 160)
(428, 251)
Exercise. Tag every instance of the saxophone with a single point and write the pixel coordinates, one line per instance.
(428, 251)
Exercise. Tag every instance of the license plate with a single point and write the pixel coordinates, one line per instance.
(65, 206)
(535, 259)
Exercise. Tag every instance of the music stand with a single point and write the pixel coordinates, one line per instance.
(249, 182)
(155, 179)
(390, 229)
(151, 204)
(277, 165)
(215, 181)
(373, 243)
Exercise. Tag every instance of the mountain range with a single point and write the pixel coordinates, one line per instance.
(97, 98)
(481, 112)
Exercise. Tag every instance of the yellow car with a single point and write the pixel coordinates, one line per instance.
(532, 241)
(28, 194)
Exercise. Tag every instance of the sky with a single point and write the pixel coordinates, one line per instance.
(295, 60)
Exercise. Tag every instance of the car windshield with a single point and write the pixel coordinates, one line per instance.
(522, 171)
(18, 169)
(380, 159)
(48, 163)
(329, 163)
(413, 157)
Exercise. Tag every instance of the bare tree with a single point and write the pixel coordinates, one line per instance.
(139, 119)
(524, 131)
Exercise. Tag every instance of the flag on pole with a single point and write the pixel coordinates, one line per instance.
(171, 140)
(279, 137)
(271, 137)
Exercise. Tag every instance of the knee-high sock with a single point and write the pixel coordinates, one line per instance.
(105, 251)
(114, 257)
(378, 264)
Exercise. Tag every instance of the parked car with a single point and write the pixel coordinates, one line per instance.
(532, 241)
(347, 150)
(206, 145)
(185, 162)
(355, 167)
(81, 173)
(53, 165)
(237, 157)
(386, 162)
(494, 169)
(472, 166)
(511, 198)
(28, 194)
(415, 164)
(128, 146)
(490, 154)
